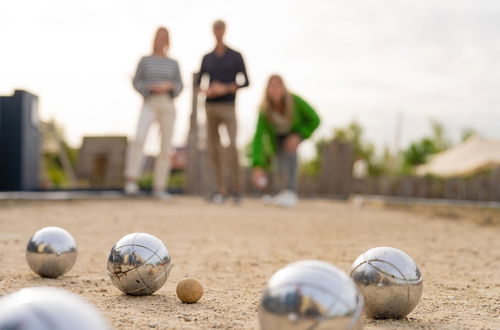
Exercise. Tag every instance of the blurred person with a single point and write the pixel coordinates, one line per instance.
(223, 65)
(284, 121)
(158, 80)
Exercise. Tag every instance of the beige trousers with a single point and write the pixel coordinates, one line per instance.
(223, 114)
(160, 109)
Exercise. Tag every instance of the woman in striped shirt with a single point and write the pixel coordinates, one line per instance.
(159, 81)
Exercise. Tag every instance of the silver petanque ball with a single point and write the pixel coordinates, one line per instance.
(51, 252)
(44, 308)
(311, 294)
(390, 281)
(139, 264)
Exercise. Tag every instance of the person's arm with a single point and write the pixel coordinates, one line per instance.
(242, 69)
(139, 81)
(258, 143)
(310, 119)
(177, 80)
(231, 88)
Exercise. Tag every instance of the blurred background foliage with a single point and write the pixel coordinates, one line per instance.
(387, 162)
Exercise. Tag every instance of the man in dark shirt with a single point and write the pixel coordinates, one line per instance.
(222, 66)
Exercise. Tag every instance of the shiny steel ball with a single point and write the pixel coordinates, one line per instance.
(51, 252)
(44, 308)
(311, 294)
(139, 264)
(390, 281)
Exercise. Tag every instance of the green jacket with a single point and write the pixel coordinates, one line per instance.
(265, 144)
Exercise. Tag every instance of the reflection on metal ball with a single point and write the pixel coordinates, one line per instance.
(139, 264)
(45, 308)
(311, 294)
(51, 252)
(390, 281)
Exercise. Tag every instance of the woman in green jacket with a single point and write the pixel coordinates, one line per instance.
(285, 120)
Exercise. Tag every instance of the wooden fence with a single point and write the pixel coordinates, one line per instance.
(336, 180)
(484, 187)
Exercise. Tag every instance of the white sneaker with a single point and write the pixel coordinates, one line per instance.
(131, 188)
(276, 199)
(216, 198)
(162, 195)
(286, 198)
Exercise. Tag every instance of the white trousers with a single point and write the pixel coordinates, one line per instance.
(160, 109)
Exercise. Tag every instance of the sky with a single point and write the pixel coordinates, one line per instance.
(368, 60)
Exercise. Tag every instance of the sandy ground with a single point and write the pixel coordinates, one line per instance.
(234, 250)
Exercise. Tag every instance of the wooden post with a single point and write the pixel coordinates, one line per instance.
(192, 145)
(336, 169)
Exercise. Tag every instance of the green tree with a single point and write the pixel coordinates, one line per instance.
(313, 166)
(353, 133)
(467, 133)
(418, 152)
(53, 139)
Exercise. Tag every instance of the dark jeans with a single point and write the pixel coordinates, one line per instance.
(287, 169)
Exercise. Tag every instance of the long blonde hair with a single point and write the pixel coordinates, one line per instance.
(285, 109)
(159, 47)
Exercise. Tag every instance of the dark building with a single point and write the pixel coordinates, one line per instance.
(19, 142)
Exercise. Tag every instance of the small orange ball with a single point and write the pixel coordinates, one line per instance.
(189, 290)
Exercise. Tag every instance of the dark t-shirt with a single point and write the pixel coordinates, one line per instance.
(223, 69)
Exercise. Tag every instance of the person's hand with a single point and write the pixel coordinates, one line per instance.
(259, 178)
(231, 88)
(163, 87)
(217, 89)
(292, 143)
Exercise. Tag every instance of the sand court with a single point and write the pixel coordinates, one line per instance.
(234, 250)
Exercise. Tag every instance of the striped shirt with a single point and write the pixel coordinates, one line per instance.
(155, 69)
